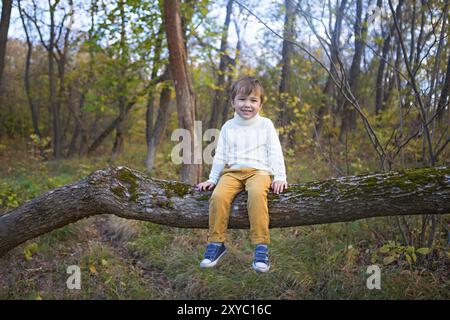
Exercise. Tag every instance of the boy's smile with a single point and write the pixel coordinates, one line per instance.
(247, 106)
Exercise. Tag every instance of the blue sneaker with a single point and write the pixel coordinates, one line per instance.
(214, 251)
(261, 258)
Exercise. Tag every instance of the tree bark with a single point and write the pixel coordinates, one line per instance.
(444, 93)
(130, 194)
(118, 145)
(53, 103)
(190, 172)
(150, 126)
(219, 96)
(232, 63)
(348, 114)
(379, 86)
(33, 107)
(4, 26)
(328, 90)
(121, 117)
(159, 127)
(284, 89)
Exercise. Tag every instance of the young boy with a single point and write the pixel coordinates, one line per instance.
(248, 144)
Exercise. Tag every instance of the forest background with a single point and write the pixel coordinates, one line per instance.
(354, 86)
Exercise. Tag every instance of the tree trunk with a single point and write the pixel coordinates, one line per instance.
(73, 142)
(328, 91)
(379, 86)
(4, 26)
(130, 194)
(80, 127)
(348, 114)
(110, 128)
(118, 142)
(217, 103)
(159, 127)
(443, 100)
(33, 108)
(190, 172)
(149, 123)
(232, 63)
(118, 145)
(53, 104)
(284, 89)
(120, 118)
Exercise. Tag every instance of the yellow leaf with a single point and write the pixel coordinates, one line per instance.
(423, 251)
(29, 250)
(92, 268)
(389, 259)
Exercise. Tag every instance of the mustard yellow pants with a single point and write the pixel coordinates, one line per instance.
(232, 181)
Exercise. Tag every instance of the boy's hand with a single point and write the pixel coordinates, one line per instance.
(279, 186)
(206, 185)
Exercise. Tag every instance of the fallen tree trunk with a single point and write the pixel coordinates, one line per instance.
(130, 194)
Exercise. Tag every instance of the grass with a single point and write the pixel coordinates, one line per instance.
(140, 260)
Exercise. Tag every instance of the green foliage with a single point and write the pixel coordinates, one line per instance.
(40, 146)
(8, 198)
(29, 250)
(394, 252)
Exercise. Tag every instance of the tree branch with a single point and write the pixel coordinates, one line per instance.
(130, 194)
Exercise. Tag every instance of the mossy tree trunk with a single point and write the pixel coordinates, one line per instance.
(130, 194)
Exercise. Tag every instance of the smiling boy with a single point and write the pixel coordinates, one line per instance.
(249, 145)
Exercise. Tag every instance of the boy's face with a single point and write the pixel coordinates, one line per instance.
(247, 106)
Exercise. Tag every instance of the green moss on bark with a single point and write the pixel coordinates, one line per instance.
(176, 189)
(127, 176)
(202, 198)
(165, 204)
(118, 191)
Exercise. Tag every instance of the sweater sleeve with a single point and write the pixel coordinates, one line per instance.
(275, 154)
(220, 158)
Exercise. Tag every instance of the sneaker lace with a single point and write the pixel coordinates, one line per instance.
(211, 251)
(261, 255)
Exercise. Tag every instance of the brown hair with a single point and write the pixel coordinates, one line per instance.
(245, 86)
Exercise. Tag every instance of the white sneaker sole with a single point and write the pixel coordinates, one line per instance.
(213, 263)
(260, 269)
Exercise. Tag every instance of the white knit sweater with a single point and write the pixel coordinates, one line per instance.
(250, 143)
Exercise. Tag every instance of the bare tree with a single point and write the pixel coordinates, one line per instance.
(336, 74)
(55, 32)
